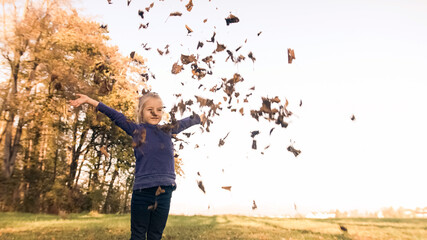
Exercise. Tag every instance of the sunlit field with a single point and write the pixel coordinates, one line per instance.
(99, 226)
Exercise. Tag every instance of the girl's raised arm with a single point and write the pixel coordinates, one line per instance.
(117, 117)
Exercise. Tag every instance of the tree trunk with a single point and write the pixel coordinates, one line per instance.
(76, 152)
(11, 146)
(105, 209)
(128, 191)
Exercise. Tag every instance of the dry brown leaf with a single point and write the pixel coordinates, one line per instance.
(159, 191)
(189, 5)
(176, 14)
(104, 152)
(291, 55)
(176, 68)
(231, 19)
(188, 29)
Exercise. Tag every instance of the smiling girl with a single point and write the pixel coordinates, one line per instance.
(155, 166)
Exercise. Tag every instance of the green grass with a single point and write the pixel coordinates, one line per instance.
(22, 226)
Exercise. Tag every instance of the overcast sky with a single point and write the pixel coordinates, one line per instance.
(366, 58)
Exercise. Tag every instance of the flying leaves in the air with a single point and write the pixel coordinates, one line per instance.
(291, 55)
(251, 56)
(226, 188)
(189, 5)
(212, 38)
(141, 13)
(159, 191)
(219, 47)
(189, 30)
(176, 68)
(293, 150)
(186, 59)
(200, 184)
(175, 14)
(254, 206)
(149, 7)
(221, 141)
(231, 19)
(143, 25)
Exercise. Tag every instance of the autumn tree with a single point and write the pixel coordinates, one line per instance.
(55, 157)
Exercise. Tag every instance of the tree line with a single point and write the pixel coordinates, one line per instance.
(56, 158)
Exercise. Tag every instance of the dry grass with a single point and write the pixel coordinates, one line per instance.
(20, 226)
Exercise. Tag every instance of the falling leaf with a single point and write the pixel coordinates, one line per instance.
(152, 207)
(212, 38)
(132, 54)
(221, 141)
(143, 25)
(176, 68)
(198, 173)
(199, 45)
(293, 150)
(185, 59)
(353, 118)
(241, 111)
(141, 13)
(160, 51)
(145, 46)
(254, 144)
(104, 26)
(205, 20)
(343, 228)
(129, 2)
(188, 29)
(291, 55)
(251, 56)
(159, 191)
(198, 72)
(208, 60)
(259, 33)
(109, 2)
(271, 130)
(254, 133)
(226, 188)
(104, 152)
(149, 7)
(219, 47)
(231, 19)
(177, 14)
(189, 5)
(200, 184)
(230, 54)
(254, 206)
(300, 103)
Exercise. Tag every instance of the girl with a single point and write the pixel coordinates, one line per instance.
(155, 166)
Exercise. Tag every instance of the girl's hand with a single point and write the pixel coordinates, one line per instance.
(79, 101)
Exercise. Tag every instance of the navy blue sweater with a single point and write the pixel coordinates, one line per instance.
(155, 164)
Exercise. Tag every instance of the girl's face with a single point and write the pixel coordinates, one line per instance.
(153, 111)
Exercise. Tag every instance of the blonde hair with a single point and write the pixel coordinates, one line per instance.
(141, 102)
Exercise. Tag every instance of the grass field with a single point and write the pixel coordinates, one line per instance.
(99, 226)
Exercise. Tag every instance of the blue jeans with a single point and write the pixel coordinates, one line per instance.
(146, 222)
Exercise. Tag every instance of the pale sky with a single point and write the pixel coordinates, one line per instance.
(366, 58)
